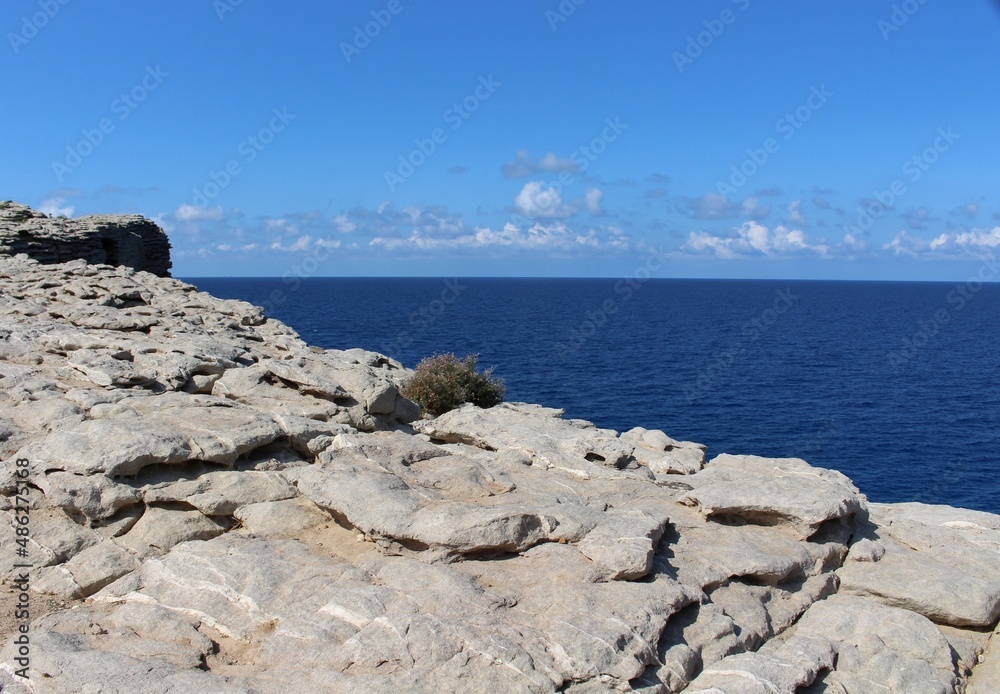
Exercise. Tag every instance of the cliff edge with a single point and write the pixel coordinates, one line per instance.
(118, 240)
(197, 500)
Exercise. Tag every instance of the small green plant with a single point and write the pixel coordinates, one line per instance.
(443, 382)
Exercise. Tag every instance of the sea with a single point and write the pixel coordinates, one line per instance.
(895, 384)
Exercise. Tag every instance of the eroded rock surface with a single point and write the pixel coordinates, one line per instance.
(241, 512)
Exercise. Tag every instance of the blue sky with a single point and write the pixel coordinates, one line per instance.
(735, 138)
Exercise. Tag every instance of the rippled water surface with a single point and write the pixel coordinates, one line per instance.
(895, 384)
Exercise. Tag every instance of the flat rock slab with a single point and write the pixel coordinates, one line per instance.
(94, 496)
(578, 448)
(709, 554)
(880, 647)
(87, 572)
(276, 519)
(122, 446)
(785, 492)
(222, 493)
(624, 542)
(159, 529)
(941, 562)
(794, 664)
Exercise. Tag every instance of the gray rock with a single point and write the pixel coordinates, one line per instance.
(786, 668)
(112, 239)
(279, 519)
(709, 554)
(624, 543)
(56, 532)
(161, 528)
(222, 493)
(773, 491)
(124, 445)
(306, 381)
(105, 370)
(94, 496)
(577, 448)
(664, 455)
(87, 572)
(880, 648)
(939, 561)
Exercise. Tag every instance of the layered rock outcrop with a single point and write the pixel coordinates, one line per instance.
(129, 240)
(222, 507)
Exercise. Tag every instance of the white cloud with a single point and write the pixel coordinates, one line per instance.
(904, 244)
(966, 243)
(852, 243)
(978, 239)
(594, 199)
(795, 215)
(273, 224)
(752, 209)
(538, 202)
(556, 236)
(304, 243)
(754, 238)
(553, 164)
(192, 213)
(55, 206)
(342, 224)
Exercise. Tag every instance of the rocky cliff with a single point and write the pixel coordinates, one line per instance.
(214, 505)
(119, 240)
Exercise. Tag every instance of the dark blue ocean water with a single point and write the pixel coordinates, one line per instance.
(895, 384)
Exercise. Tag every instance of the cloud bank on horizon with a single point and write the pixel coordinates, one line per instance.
(564, 138)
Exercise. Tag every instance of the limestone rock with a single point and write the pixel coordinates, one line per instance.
(87, 572)
(109, 239)
(222, 493)
(160, 528)
(575, 447)
(788, 667)
(278, 519)
(773, 491)
(105, 370)
(624, 543)
(941, 562)
(215, 432)
(664, 455)
(880, 647)
(94, 496)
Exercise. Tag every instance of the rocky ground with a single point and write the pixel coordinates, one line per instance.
(216, 506)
